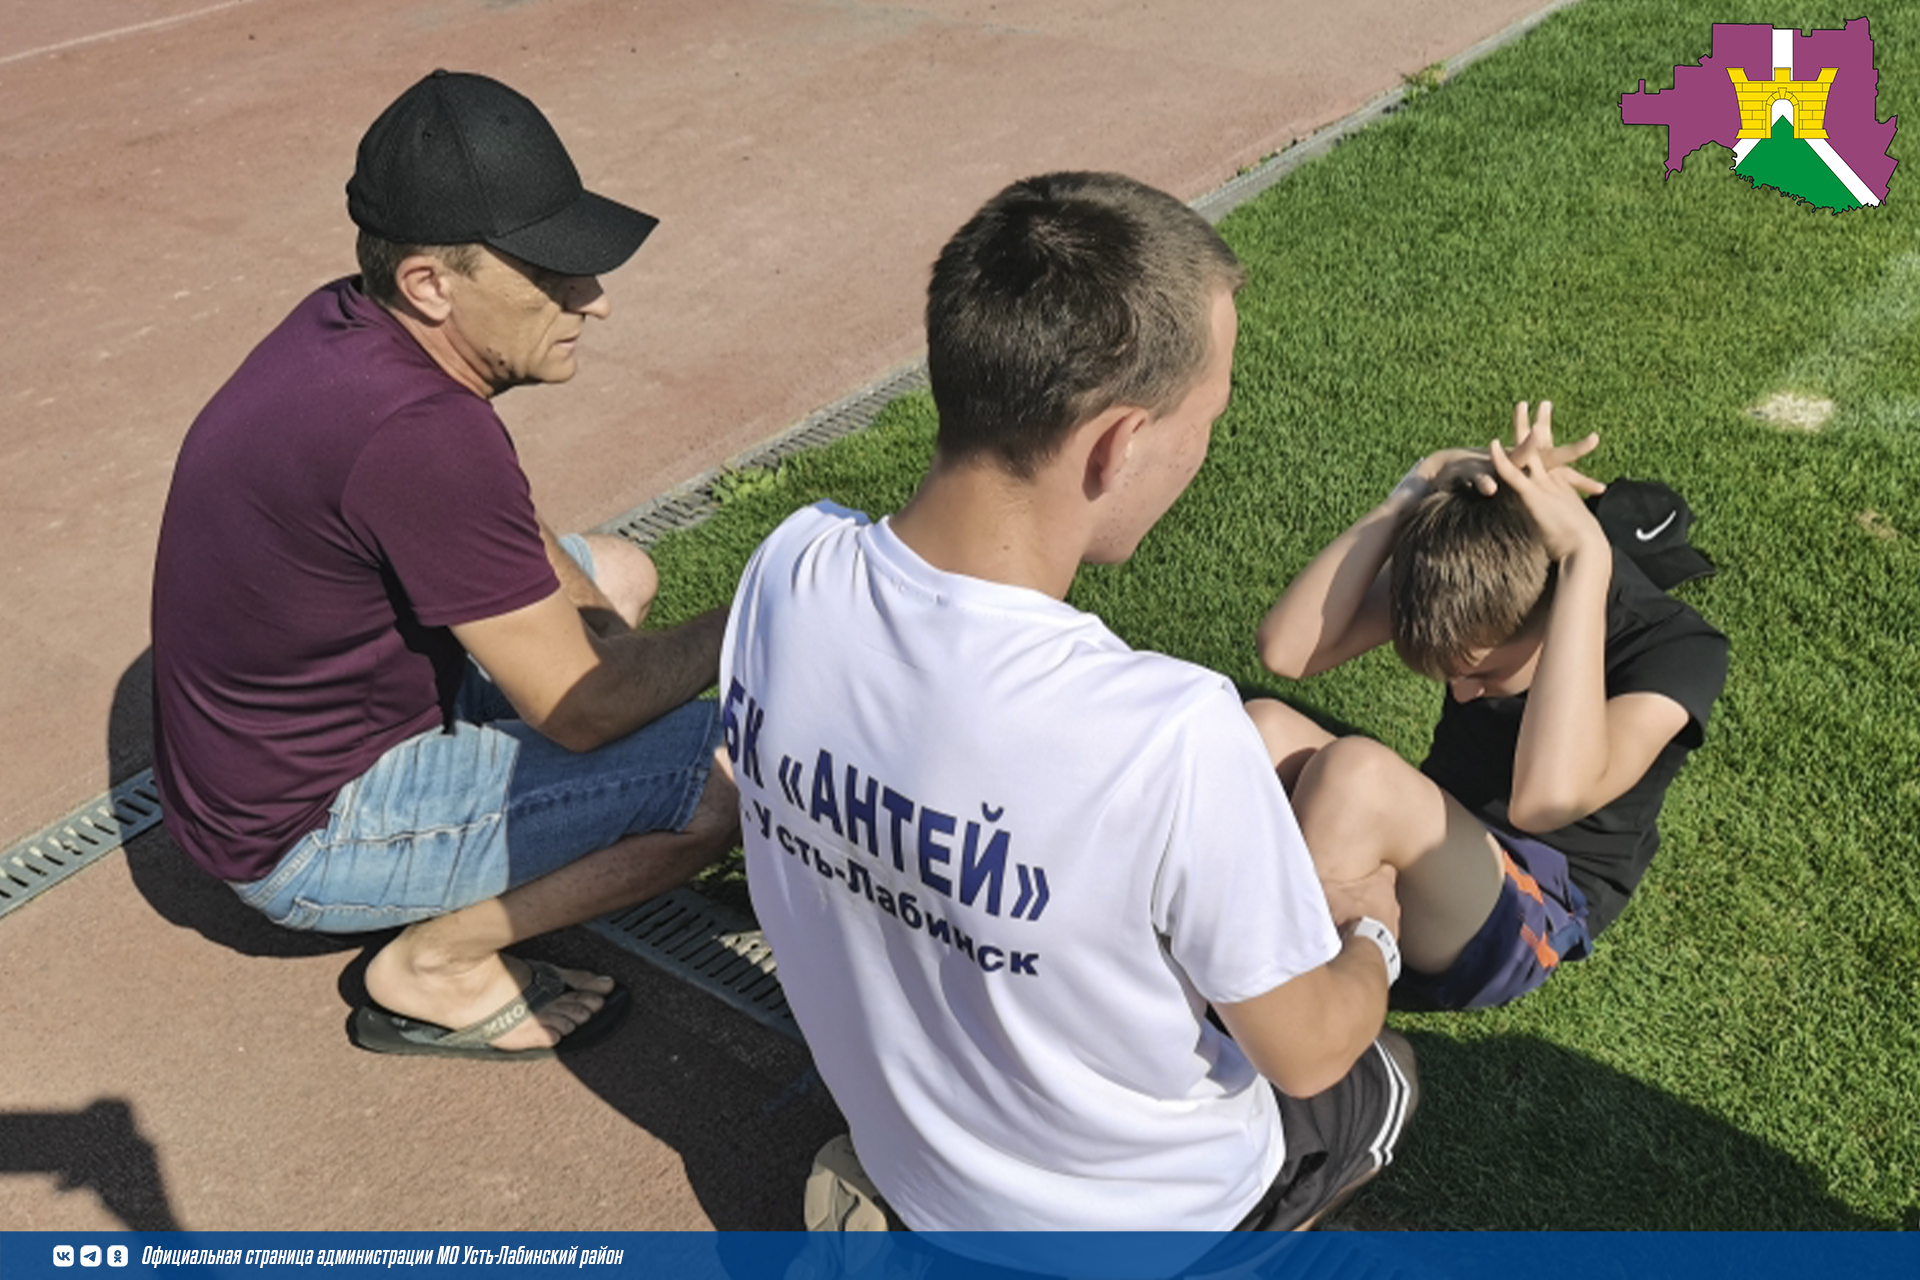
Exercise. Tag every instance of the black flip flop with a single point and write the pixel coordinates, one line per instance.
(379, 1031)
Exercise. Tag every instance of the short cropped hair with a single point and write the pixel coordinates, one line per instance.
(1469, 572)
(380, 263)
(1065, 295)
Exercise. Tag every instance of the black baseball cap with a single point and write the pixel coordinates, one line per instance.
(1650, 522)
(461, 158)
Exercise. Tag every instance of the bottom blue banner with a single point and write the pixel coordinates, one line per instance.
(38, 1255)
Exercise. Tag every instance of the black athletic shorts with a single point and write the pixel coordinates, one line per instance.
(1340, 1137)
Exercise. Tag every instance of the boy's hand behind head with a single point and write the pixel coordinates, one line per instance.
(1539, 437)
(1448, 466)
(1552, 490)
(1458, 467)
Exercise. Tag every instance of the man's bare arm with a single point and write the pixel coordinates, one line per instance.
(1306, 1034)
(582, 689)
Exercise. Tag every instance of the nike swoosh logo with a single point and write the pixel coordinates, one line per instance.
(1648, 535)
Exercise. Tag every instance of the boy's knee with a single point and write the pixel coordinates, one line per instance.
(1290, 738)
(626, 573)
(1350, 773)
(1278, 723)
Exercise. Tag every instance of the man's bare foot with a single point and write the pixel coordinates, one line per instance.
(454, 996)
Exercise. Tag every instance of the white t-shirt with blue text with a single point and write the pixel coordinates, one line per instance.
(1005, 862)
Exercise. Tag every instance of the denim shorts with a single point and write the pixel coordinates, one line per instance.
(459, 815)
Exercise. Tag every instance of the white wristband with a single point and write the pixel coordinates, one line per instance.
(1382, 937)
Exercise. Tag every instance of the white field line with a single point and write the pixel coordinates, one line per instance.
(117, 32)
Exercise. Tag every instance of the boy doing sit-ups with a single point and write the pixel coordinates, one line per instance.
(1575, 690)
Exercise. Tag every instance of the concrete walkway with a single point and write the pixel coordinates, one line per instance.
(174, 184)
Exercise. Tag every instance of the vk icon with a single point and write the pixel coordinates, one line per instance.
(116, 1255)
(63, 1255)
(89, 1255)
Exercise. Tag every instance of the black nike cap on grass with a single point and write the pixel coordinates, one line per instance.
(1650, 522)
(461, 158)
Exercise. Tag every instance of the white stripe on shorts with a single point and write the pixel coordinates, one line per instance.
(1399, 1092)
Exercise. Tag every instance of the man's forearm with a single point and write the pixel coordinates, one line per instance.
(642, 675)
(1306, 1035)
(1361, 970)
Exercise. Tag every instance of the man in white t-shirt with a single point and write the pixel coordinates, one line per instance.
(1006, 863)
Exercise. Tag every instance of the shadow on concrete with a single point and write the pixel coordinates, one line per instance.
(173, 886)
(741, 1105)
(99, 1149)
(746, 1148)
(130, 722)
(1517, 1134)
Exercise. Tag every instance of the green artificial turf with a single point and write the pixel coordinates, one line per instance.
(1744, 1049)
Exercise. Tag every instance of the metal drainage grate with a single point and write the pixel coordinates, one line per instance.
(708, 947)
(77, 840)
(689, 503)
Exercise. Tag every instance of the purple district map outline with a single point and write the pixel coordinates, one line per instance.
(1702, 107)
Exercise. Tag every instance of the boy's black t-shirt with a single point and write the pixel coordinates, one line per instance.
(1655, 644)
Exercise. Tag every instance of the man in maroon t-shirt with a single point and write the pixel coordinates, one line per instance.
(385, 693)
